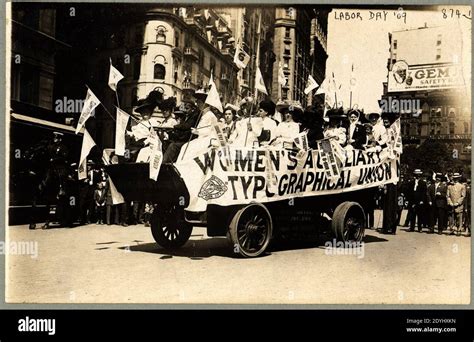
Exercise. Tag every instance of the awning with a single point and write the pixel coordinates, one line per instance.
(45, 124)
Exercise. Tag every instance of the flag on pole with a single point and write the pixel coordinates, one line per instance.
(114, 77)
(353, 80)
(213, 97)
(259, 84)
(241, 58)
(117, 197)
(323, 87)
(281, 75)
(90, 103)
(120, 127)
(301, 141)
(311, 85)
(87, 144)
(156, 157)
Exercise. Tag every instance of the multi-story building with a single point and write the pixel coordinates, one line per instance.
(427, 82)
(172, 49)
(244, 22)
(292, 48)
(318, 52)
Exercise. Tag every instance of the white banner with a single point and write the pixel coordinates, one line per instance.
(87, 144)
(90, 104)
(404, 77)
(120, 127)
(156, 157)
(114, 77)
(253, 172)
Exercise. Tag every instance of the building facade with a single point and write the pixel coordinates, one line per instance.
(300, 49)
(428, 86)
(245, 23)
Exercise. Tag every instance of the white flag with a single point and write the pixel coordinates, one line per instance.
(213, 98)
(87, 144)
(241, 58)
(121, 122)
(90, 104)
(117, 197)
(156, 157)
(259, 84)
(322, 88)
(281, 75)
(301, 141)
(114, 77)
(312, 84)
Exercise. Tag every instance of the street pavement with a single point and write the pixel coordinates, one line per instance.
(115, 264)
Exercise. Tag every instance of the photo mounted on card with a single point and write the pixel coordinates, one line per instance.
(220, 154)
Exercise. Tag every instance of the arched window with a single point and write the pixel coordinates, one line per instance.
(161, 34)
(159, 72)
(452, 127)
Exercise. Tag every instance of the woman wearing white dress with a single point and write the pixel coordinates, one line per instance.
(287, 130)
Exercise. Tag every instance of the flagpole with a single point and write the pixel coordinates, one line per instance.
(257, 64)
(116, 96)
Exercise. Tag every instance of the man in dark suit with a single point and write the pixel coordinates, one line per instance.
(437, 200)
(417, 196)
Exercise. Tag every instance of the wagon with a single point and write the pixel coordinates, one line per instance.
(250, 227)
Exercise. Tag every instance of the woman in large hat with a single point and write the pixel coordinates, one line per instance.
(289, 129)
(141, 130)
(248, 128)
(266, 111)
(334, 130)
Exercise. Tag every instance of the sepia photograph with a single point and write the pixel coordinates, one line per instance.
(172, 153)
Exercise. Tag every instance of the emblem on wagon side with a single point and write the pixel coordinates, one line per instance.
(212, 188)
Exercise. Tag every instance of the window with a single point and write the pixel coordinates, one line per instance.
(438, 42)
(287, 32)
(29, 84)
(159, 72)
(438, 54)
(161, 34)
(136, 67)
(176, 39)
(435, 112)
(284, 94)
(29, 18)
(201, 57)
(287, 50)
(286, 63)
(395, 44)
(212, 66)
(452, 112)
(452, 127)
(466, 128)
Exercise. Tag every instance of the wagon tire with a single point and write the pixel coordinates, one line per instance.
(251, 230)
(348, 222)
(169, 229)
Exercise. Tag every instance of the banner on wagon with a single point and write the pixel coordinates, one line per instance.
(268, 174)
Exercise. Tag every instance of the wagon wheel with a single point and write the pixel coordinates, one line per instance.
(251, 230)
(348, 222)
(168, 227)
